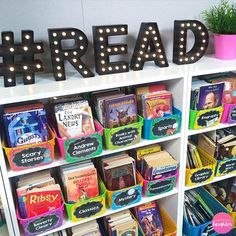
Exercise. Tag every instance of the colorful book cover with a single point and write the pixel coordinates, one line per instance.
(80, 187)
(210, 96)
(149, 218)
(42, 202)
(74, 118)
(120, 111)
(25, 127)
(156, 105)
(120, 177)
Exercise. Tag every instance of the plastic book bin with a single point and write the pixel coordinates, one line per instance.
(163, 126)
(190, 230)
(43, 222)
(232, 213)
(31, 155)
(83, 147)
(229, 114)
(205, 118)
(123, 136)
(227, 166)
(203, 174)
(88, 208)
(159, 186)
(125, 197)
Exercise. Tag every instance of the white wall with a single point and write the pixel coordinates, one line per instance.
(39, 15)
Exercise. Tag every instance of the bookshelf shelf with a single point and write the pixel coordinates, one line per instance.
(216, 179)
(60, 161)
(68, 224)
(178, 79)
(200, 131)
(3, 230)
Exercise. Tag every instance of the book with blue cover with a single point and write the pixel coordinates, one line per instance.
(25, 124)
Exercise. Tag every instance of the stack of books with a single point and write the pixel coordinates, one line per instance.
(118, 171)
(114, 108)
(74, 118)
(121, 223)
(80, 181)
(38, 193)
(155, 101)
(26, 124)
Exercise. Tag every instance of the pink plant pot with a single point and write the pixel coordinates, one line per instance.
(225, 46)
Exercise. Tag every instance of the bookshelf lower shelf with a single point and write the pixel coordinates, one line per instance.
(68, 224)
(216, 179)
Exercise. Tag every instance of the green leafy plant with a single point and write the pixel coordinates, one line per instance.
(221, 19)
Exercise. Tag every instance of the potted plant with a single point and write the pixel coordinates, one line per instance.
(221, 21)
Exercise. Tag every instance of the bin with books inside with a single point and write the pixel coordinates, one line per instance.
(206, 103)
(229, 94)
(226, 151)
(29, 142)
(123, 186)
(154, 220)
(117, 112)
(225, 192)
(157, 169)
(155, 105)
(220, 144)
(200, 166)
(79, 136)
(199, 209)
(85, 194)
(40, 203)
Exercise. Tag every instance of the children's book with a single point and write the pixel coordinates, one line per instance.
(74, 118)
(210, 96)
(43, 200)
(99, 103)
(80, 182)
(25, 124)
(155, 105)
(120, 111)
(149, 218)
(145, 90)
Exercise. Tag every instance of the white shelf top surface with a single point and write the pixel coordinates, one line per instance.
(219, 126)
(216, 179)
(60, 161)
(46, 86)
(68, 224)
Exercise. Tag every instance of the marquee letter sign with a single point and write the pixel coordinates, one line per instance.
(103, 50)
(59, 55)
(180, 55)
(148, 47)
(27, 66)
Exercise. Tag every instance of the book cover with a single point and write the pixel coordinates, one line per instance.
(26, 126)
(210, 96)
(74, 118)
(156, 105)
(81, 186)
(120, 177)
(120, 111)
(149, 218)
(42, 200)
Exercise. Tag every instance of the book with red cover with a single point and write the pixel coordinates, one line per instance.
(41, 201)
(156, 104)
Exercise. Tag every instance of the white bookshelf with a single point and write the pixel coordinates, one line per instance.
(178, 79)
